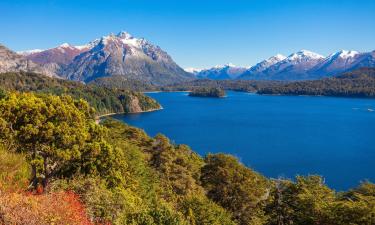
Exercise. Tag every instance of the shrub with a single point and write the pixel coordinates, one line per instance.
(55, 208)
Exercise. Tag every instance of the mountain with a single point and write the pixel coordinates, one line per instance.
(344, 61)
(13, 62)
(336, 63)
(307, 65)
(228, 71)
(260, 67)
(112, 55)
(294, 67)
(61, 55)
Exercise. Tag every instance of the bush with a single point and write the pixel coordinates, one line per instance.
(27, 209)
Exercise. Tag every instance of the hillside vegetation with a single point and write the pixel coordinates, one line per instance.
(207, 92)
(358, 83)
(57, 166)
(104, 100)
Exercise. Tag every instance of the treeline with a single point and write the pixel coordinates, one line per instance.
(358, 83)
(103, 99)
(207, 92)
(233, 85)
(51, 146)
(122, 82)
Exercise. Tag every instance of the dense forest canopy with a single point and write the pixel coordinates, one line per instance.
(104, 100)
(358, 83)
(233, 85)
(112, 173)
(207, 92)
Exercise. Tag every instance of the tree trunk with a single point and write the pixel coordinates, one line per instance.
(46, 173)
(34, 180)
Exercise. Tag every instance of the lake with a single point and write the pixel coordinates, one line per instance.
(278, 136)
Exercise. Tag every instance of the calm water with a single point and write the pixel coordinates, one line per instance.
(275, 135)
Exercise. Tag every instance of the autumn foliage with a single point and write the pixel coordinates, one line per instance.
(55, 208)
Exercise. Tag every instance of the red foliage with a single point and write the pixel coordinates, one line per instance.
(54, 208)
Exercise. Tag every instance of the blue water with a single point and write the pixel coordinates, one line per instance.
(279, 136)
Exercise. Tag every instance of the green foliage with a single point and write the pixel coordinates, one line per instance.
(3, 93)
(357, 206)
(104, 100)
(177, 165)
(207, 92)
(14, 170)
(123, 176)
(235, 187)
(358, 83)
(59, 137)
(234, 85)
(202, 211)
(307, 201)
(122, 82)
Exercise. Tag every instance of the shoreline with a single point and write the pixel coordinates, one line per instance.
(100, 117)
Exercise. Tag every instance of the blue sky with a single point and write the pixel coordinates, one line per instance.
(196, 33)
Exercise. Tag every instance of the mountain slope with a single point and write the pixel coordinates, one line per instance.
(257, 70)
(12, 62)
(295, 67)
(104, 100)
(113, 55)
(228, 71)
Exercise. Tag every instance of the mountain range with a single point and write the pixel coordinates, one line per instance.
(122, 57)
(111, 55)
(13, 62)
(302, 65)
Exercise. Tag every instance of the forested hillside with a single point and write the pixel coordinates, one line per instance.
(104, 100)
(207, 92)
(233, 85)
(358, 83)
(57, 166)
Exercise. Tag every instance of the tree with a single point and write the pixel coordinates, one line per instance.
(201, 211)
(357, 206)
(3, 94)
(306, 201)
(58, 135)
(235, 187)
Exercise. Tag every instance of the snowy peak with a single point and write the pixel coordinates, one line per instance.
(29, 52)
(124, 35)
(274, 59)
(304, 54)
(344, 54)
(277, 57)
(193, 70)
(124, 38)
(65, 45)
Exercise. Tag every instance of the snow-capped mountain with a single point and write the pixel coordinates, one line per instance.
(13, 62)
(61, 55)
(342, 61)
(120, 54)
(227, 71)
(256, 70)
(294, 67)
(192, 70)
(305, 64)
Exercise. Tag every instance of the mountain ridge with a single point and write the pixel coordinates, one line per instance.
(301, 65)
(111, 55)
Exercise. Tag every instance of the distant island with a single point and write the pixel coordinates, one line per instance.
(207, 92)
